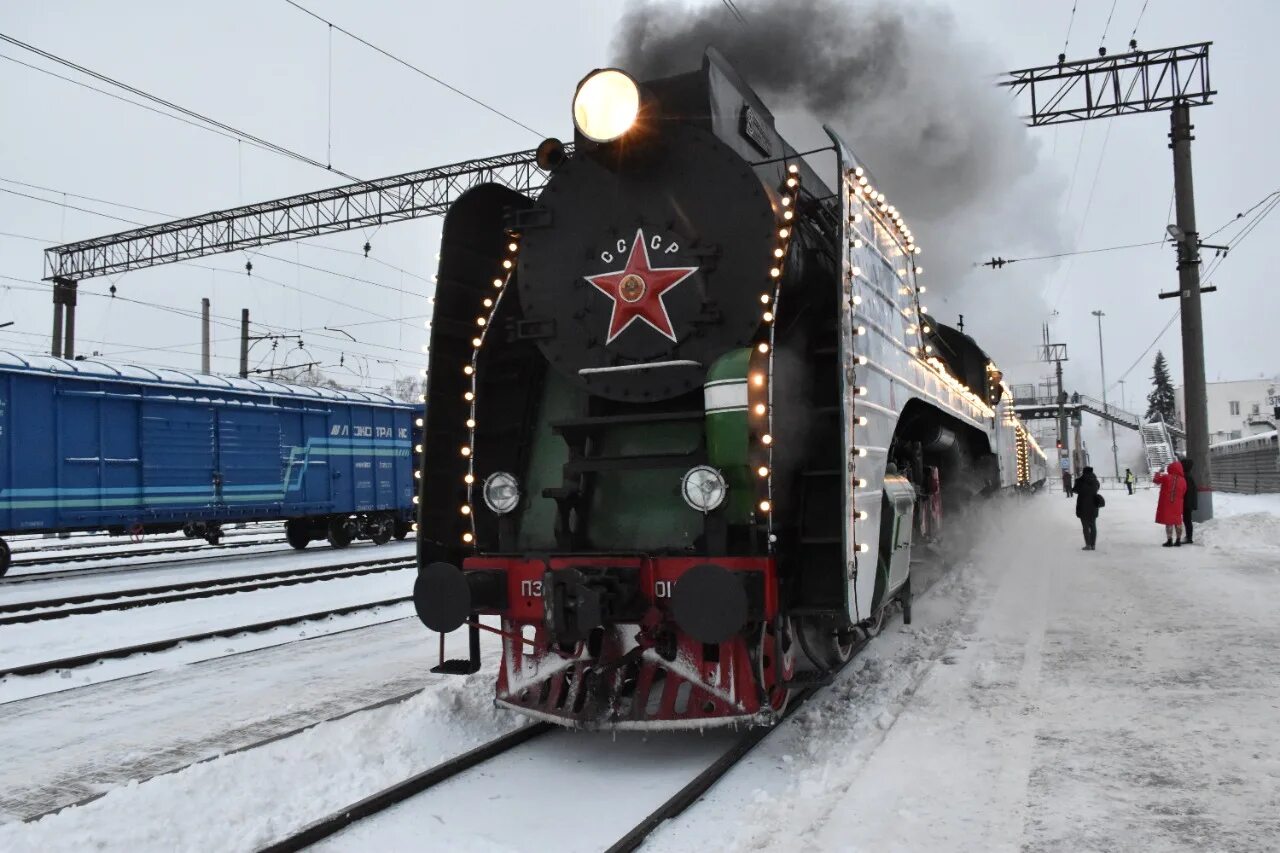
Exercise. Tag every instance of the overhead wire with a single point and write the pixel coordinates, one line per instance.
(156, 99)
(389, 55)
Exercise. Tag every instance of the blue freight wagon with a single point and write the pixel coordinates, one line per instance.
(88, 445)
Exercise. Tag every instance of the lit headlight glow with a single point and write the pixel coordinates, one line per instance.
(703, 488)
(606, 105)
(501, 492)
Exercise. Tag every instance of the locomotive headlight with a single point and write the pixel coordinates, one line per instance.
(501, 492)
(606, 105)
(703, 488)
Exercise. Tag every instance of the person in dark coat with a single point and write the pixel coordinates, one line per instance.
(1086, 489)
(1191, 499)
(1066, 483)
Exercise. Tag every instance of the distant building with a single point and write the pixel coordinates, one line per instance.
(1238, 409)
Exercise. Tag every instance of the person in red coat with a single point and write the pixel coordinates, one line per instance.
(1173, 489)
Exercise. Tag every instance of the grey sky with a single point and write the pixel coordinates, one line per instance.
(263, 66)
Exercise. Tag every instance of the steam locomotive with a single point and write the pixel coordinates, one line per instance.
(687, 415)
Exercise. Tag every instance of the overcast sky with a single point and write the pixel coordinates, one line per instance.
(265, 67)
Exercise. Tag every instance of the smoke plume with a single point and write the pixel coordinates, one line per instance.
(918, 104)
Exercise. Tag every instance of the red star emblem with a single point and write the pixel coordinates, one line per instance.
(637, 290)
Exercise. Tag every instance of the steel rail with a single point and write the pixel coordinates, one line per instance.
(160, 645)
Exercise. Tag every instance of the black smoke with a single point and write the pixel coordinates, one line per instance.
(919, 106)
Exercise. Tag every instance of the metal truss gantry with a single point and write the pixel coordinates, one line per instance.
(416, 194)
(1139, 82)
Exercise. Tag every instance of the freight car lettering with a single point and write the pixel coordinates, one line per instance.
(531, 589)
(338, 429)
(363, 432)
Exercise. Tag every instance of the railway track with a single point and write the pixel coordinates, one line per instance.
(630, 840)
(100, 602)
(74, 661)
(38, 545)
(106, 554)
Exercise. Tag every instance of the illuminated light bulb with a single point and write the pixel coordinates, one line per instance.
(469, 396)
(920, 289)
(417, 475)
(777, 253)
(880, 197)
(917, 250)
(466, 509)
(927, 329)
(856, 218)
(418, 422)
(786, 214)
(862, 330)
(480, 321)
(863, 547)
(476, 342)
(468, 370)
(414, 527)
(765, 506)
(862, 451)
(768, 317)
(759, 409)
(469, 479)
(497, 282)
(417, 448)
(862, 515)
(894, 212)
(862, 484)
(775, 272)
(506, 265)
(764, 298)
(861, 420)
(471, 423)
(784, 233)
(928, 347)
(766, 439)
(763, 347)
(913, 350)
(919, 270)
(466, 451)
(763, 471)
(488, 303)
(793, 169)
(415, 498)
(791, 182)
(422, 398)
(786, 201)
(859, 171)
(862, 359)
(862, 391)
(757, 379)
(856, 270)
(857, 300)
(511, 247)
(467, 537)
(857, 244)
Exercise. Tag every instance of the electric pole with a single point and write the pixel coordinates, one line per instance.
(1057, 353)
(1143, 81)
(1102, 362)
(204, 335)
(244, 343)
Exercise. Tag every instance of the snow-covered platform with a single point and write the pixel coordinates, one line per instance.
(1047, 699)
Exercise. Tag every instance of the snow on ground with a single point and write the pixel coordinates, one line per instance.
(221, 565)
(53, 639)
(61, 748)
(1124, 699)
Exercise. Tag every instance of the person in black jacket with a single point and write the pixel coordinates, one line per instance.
(1190, 500)
(1086, 489)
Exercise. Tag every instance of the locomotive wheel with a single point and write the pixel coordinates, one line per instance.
(295, 533)
(213, 535)
(400, 530)
(773, 674)
(380, 531)
(339, 534)
(828, 649)
(5, 558)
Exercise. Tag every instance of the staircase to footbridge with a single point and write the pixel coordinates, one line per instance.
(1158, 437)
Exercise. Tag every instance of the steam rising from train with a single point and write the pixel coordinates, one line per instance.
(913, 98)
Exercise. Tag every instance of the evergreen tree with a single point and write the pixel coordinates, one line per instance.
(1160, 400)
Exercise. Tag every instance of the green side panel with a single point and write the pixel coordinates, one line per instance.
(727, 447)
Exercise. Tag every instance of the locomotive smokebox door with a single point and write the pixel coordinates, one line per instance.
(644, 287)
(895, 544)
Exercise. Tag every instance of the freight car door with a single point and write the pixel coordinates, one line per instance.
(249, 457)
(177, 456)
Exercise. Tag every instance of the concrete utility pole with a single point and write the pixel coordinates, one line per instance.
(244, 342)
(1102, 362)
(64, 309)
(1144, 81)
(204, 335)
(1195, 395)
